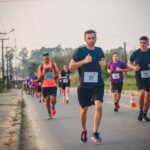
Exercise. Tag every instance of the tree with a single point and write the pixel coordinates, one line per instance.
(24, 63)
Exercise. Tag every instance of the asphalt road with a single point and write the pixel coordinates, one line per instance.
(120, 131)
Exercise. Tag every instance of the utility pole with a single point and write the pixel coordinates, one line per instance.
(125, 52)
(125, 55)
(3, 39)
(15, 60)
(3, 68)
(8, 67)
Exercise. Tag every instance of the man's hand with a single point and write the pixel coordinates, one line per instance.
(136, 68)
(149, 66)
(102, 62)
(87, 59)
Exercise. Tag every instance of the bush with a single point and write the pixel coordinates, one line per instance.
(75, 79)
(129, 84)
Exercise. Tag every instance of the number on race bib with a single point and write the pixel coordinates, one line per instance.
(48, 76)
(65, 80)
(91, 77)
(40, 83)
(115, 76)
(145, 74)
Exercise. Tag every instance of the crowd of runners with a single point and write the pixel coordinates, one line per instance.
(89, 60)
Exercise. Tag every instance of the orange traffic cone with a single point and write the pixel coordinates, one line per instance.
(132, 102)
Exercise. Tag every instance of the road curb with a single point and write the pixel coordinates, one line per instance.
(11, 130)
(21, 125)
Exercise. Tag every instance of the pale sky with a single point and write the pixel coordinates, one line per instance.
(48, 23)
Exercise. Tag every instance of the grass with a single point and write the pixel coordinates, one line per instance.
(21, 103)
(129, 82)
(4, 90)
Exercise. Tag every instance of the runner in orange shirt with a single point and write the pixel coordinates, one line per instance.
(47, 72)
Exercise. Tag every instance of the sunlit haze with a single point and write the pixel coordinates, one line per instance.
(47, 23)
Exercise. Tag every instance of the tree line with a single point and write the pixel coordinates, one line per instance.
(28, 62)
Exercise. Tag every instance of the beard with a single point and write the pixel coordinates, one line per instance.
(92, 44)
(46, 59)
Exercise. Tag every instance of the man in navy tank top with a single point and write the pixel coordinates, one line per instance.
(89, 60)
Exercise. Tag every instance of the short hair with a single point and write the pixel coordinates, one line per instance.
(115, 53)
(144, 38)
(89, 32)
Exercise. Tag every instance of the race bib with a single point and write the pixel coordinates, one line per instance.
(116, 76)
(145, 74)
(40, 83)
(48, 76)
(91, 77)
(65, 80)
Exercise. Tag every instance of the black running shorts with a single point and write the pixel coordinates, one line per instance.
(116, 87)
(143, 84)
(47, 91)
(87, 95)
(39, 89)
(64, 85)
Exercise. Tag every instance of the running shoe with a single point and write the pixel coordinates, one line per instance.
(67, 101)
(53, 111)
(49, 117)
(140, 117)
(83, 137)
(118, 106)
(96, 137)
(115, 109)
(145, 118)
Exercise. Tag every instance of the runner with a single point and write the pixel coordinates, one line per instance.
(141, 57)
(23, 89)
(34, 84)
(115, 69)
(39, 91)
(47, 72)
(30, 84)
(24, 85)
(35, 87)
(59, 84)
(89, 60)
(65, 76)
(28, 89)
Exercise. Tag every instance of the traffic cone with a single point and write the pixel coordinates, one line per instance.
(132, 102)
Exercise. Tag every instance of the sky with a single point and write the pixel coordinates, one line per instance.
(47, 23)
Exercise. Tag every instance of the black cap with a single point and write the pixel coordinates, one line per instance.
(45, 53)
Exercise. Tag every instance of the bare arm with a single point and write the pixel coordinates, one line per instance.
(109, 70)
(102, 62)
(74, 65)
(39, 72)
(124, 70)
(133, 67)
(61, 77)
(121, 70)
